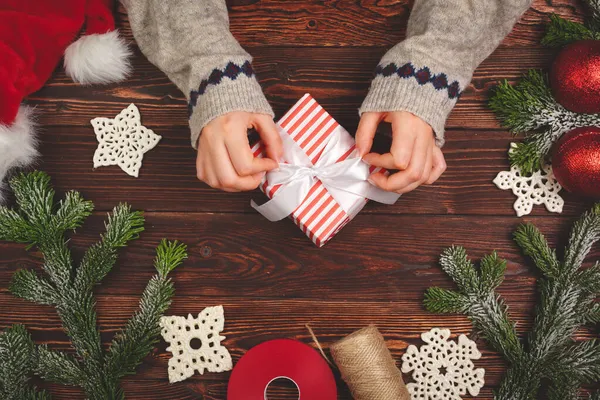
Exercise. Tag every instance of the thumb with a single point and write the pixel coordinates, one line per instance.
(366, 131)
(269, 135)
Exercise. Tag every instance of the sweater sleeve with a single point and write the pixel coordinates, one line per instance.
(190, 41)
(446, 41)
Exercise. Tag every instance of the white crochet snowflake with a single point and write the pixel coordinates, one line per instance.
(196, 344)
(443, 369)
(539, 188)
(123, 140)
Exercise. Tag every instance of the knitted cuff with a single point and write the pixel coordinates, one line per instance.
(428, 97)
(240, 94)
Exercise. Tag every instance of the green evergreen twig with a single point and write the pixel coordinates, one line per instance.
(70, 289)
(16, 365)
(529, 108)
(567, 301)
(561, 32)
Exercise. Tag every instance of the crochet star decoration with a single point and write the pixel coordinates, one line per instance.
(196, 344)
(539, 188)
(442, 369)
(123, 141)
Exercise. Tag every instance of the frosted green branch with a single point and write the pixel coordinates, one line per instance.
(16, 363)
(567, 301)
(38, 222)
(529, 108)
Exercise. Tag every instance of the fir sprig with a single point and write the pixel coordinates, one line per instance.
(567, 301)
(561, 32)
(16, 365)
(70, 289)
(529, 108)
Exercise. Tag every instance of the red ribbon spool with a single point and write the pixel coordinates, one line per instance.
(282, 358)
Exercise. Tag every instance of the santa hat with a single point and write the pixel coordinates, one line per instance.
(34, 36)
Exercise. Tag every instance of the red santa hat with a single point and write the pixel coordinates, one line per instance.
(34, 36)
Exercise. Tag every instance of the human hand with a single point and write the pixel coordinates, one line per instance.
(413, 152)
(225, 160)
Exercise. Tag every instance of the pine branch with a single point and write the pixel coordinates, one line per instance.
(58, 367)
(139, 337)
(567, 300)
(70, 290)
(14, 228)
(527, 155)
(443, 301)
(566, 390)
(535, 246)
(16, 356)
(529, 108)
(579, 363)
(492, 270)
(589, 280)
(455, 263)
(123, 226)
(28, 285)
(486, 311)
(584, 234)
(72, 211)
(561, 32)
(35, 197)
(592, 316)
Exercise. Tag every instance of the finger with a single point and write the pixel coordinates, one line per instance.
(426, 172)
(267, 130)
(413, 174)
(228, 178)
(366, 132)
(438, 166)
(403, 142)
(380, 160)
(241, 156)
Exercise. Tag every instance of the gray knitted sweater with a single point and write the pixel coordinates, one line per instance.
(425, 74)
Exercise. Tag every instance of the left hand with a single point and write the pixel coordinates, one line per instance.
(413, 153)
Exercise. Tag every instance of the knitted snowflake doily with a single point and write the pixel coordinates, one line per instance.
(123, 140)
(539, 188)
(195, 343)
(443, 369)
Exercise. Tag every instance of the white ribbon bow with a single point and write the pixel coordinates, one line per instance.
(346, 181)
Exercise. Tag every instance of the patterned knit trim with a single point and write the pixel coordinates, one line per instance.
(231, 71)
(422, 76)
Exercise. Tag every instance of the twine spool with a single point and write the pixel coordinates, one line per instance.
(368, 368)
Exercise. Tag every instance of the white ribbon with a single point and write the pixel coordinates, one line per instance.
(346, 181)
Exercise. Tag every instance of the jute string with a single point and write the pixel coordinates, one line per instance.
(367, 366)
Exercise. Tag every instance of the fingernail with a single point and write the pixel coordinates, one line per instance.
(371, 181)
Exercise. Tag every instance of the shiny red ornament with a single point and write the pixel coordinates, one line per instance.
(575, 77)
(576, 161)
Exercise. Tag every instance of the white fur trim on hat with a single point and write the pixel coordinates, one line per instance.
(98, 59)
(18, 144)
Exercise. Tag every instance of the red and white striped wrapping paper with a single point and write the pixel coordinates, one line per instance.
(319, 216)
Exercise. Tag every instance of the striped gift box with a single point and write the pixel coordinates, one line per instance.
(319, 216)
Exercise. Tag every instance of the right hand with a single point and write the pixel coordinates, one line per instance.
(225, 160)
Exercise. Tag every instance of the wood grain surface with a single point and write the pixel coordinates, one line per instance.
(269, 277)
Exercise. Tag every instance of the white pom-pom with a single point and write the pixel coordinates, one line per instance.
(17, 144)
(98, 59)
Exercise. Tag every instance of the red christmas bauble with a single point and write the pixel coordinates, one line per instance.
(575, 77)
(576, 161)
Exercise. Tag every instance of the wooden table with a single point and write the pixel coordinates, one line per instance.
(269, 277)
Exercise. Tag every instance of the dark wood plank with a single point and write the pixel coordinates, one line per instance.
(351, 23)
(253, 321)
(376, 257)
(168, 181)
(338, 78)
